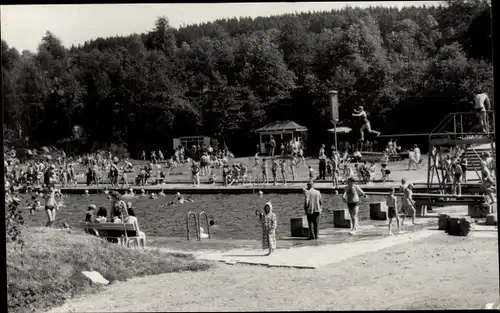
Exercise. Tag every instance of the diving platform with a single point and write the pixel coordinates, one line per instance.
(471, 140)
(459, 142)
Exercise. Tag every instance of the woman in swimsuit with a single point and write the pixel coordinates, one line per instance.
(408, 204)
(366, 123)
(51, 205)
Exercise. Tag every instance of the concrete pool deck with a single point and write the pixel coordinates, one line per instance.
(370, 238)
(296, 187)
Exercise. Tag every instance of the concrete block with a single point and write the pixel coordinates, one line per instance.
(341, 218)
(492, 219)
(299, 227)
(378, 211)
(466, 226)
(459, 226)
(479, 210)
(453, 226)
(443, 221)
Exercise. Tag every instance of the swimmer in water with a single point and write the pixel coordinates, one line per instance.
(361, 113)
(161, 194)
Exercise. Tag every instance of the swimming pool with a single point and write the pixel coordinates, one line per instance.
(233, 214)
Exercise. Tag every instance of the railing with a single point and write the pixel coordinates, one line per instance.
(197, 226)
(197, 220)
(458, 124)
(207, 223)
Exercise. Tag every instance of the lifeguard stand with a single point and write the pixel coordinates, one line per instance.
(456, 130)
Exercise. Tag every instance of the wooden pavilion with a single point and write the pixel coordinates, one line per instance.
(282, 132)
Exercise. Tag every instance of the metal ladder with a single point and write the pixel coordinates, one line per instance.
(197, 224)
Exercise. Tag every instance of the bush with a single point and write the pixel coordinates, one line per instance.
(47, 271)
(13, 222)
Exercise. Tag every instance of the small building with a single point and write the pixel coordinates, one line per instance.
(282, 132)
(189, 141)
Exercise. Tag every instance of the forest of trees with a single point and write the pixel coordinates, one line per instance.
(224, 79)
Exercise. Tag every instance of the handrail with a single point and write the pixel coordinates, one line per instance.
(189, 214)
(208, 224)
(449, 117)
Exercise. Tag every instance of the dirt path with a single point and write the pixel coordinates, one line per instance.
(436, 273)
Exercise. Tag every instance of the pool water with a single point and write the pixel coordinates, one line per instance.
(234, 215)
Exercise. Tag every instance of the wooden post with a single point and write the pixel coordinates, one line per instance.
(334, 107)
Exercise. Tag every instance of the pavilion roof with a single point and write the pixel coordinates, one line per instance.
(281, 126)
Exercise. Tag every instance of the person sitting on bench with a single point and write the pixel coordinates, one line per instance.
(131, 219)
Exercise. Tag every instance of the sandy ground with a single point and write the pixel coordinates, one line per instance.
(440, 272)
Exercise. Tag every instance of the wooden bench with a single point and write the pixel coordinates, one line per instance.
(124, 233)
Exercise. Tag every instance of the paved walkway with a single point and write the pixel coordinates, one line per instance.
(316, 255)
(310, 256)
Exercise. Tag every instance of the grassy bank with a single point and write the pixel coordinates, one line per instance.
(47, 271)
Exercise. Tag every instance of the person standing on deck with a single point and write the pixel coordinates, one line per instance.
(283, 171)
(312, 207)
(418, 156)
(392, 205)
(481, 105)
(293, 163)
(412, 160)
(457, 178)
(463, 165)
(351, 197)
(322, 164)
(361, 113)
(408, 204)
(488, 181)
(274, 170)
(272, 145)
(269, 224)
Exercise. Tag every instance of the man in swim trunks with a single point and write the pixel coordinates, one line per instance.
(481, 105)
(351, 198)
(366, 123)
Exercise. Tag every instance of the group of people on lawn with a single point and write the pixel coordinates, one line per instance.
(121, 212)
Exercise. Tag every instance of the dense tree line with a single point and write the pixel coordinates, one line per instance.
(407, 67)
